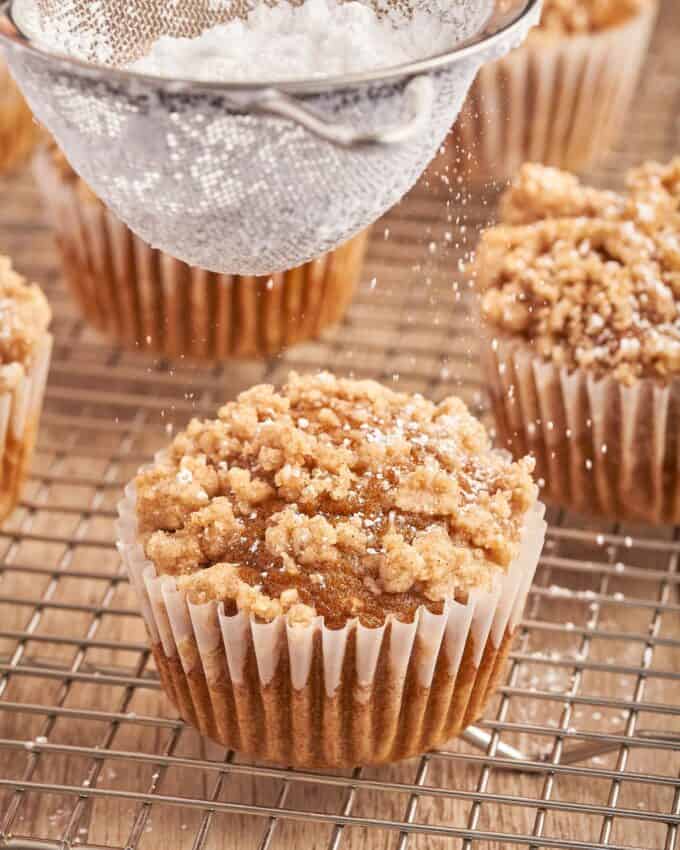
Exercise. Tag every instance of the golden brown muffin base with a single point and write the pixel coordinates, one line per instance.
(636, 477)
(389, 721)
(146, 300)
(19, 131)
(16, 463)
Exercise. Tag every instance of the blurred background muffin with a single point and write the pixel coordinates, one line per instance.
(562, 97)
(19, 131)
(25, 348)
(580, 302)
(147, 300)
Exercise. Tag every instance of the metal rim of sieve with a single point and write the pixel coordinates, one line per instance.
(499, 29)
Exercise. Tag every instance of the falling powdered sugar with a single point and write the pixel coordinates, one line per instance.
(319, 38)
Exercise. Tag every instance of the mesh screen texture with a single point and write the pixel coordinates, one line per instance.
(223, 190)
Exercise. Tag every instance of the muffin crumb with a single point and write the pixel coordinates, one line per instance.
(333, 498)
(24, 318)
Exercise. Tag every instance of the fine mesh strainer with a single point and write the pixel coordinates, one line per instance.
(241, 178)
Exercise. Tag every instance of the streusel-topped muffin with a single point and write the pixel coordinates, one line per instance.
(582, 311)
(25, 346)
(562, 97)
(339, 507)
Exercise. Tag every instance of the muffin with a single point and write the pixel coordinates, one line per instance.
(25, 347)
(332, 574)
(146, 300)
(580, 303)
(562, 97)
(19, 132)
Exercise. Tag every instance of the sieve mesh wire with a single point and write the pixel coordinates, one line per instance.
(229, 191)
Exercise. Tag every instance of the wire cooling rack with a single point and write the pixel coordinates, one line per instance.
(581, 748)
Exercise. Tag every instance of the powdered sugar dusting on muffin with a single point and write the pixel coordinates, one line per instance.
(334, 497)
(594, 281)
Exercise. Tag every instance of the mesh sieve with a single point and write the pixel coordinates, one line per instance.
(242, 179)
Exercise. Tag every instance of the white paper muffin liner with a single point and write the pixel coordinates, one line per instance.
(20, 408)
(557, 101)
(315, 696)
(147, 300)
(600, 447)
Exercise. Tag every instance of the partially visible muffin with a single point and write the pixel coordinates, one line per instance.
(19, 132)
(562, 97)
(582, 346)
(149, 301)
(572, 17)
(337, 510)
(539, 192)
(25, 346)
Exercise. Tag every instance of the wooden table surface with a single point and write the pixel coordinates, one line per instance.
(84, 729)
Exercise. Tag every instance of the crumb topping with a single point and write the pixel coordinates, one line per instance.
(540, 192)
(591, 278)
(595, 294)
(575, 17)
(24, 318)
(334, 498)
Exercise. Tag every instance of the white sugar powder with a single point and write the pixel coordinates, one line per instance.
(319, 38)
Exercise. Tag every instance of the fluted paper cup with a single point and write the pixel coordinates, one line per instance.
(560, 101)
(21, 398)
(312, 696)
(146, 300)
(601, 447)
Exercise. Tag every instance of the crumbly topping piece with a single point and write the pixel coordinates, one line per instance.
(540, 192)
(593, 279)
(589, 293)
(575, 17)
(24, 318)
(333, 498)
(654, 193)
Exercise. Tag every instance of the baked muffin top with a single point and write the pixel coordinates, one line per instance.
(540, 192)
(333, 497)
(575, 17)
(590, 278)
(24, 318)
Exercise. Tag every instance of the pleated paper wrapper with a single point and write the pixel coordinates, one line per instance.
(557, 101)
(311, 696)
(20, 408)
(601, 447)
(147, 300)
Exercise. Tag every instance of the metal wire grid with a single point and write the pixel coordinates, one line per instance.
(89, 755)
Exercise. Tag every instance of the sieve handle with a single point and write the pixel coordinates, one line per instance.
(419, 93)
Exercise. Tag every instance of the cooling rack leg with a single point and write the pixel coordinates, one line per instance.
(480, 739)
